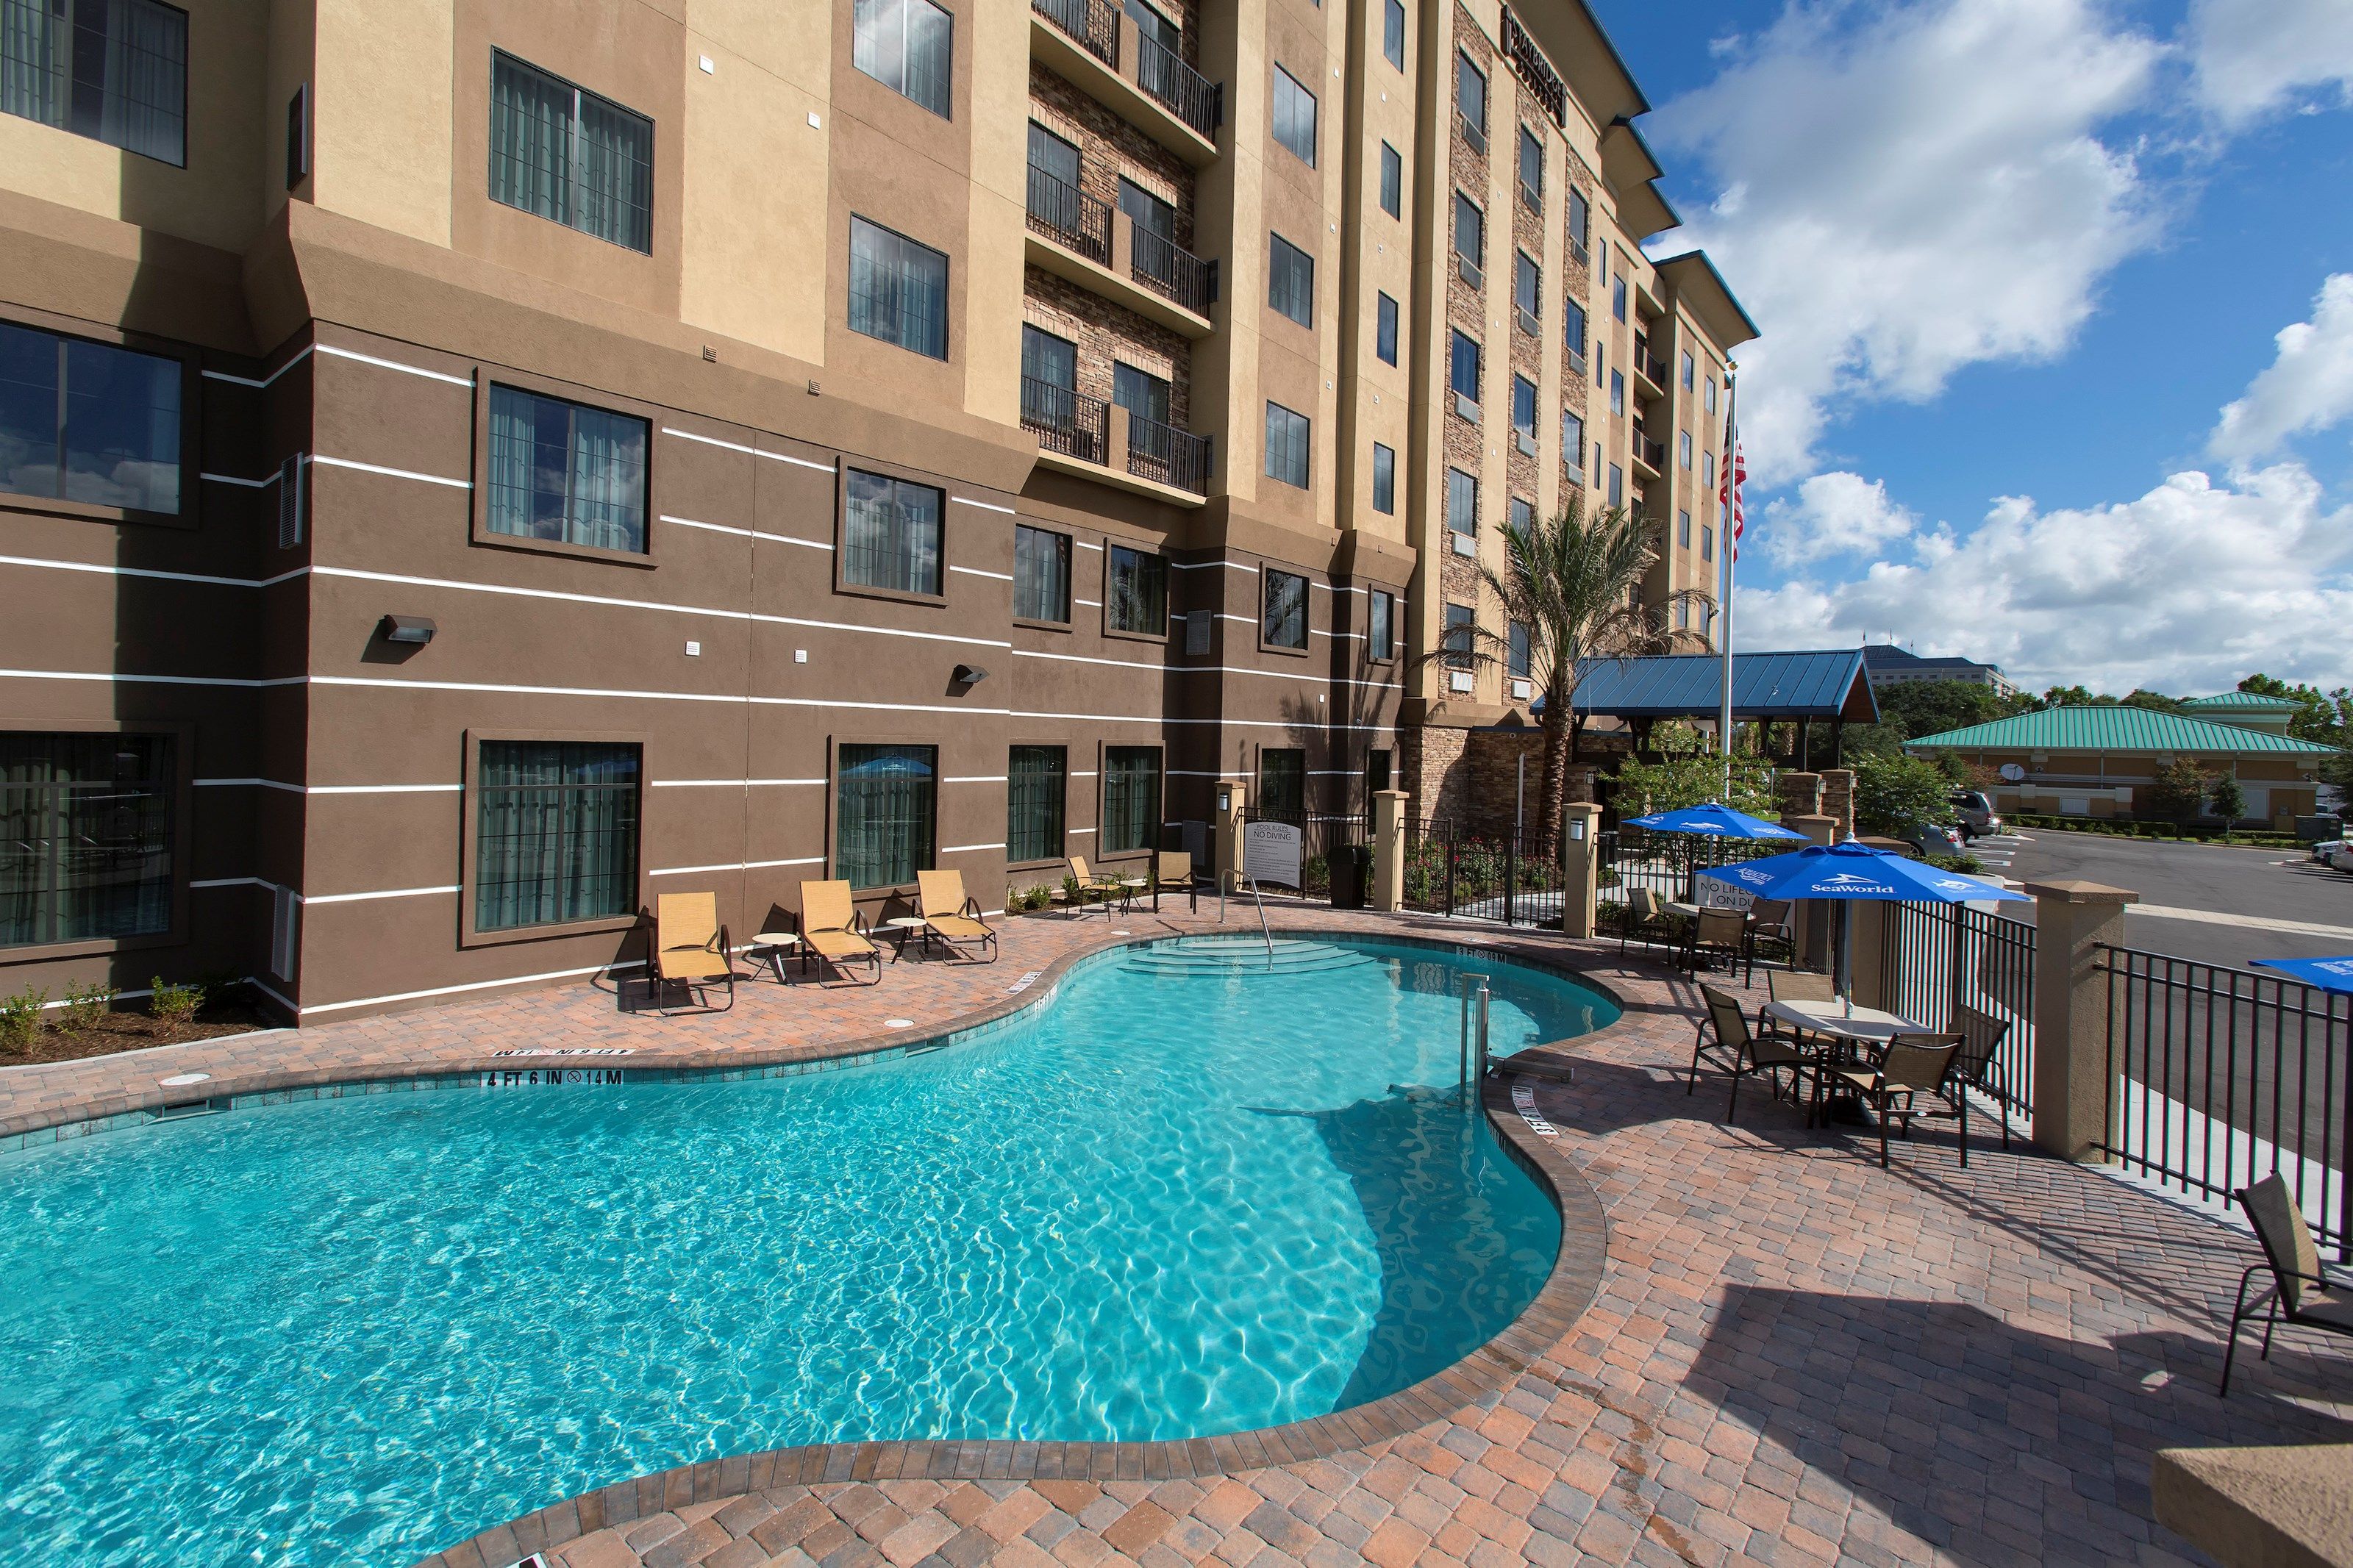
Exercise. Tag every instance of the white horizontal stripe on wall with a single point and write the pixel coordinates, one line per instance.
(329, 349)
(976, 778)
(967, 849)
(755, 451)
(744, 532)
(395, 473)
(454, 990)
(1082, 658)
(1090, 604)
(976, 572)
(984, 505)
(651, 696)
(333, 789)
(1213, 566)
(297, 357)
(1084, 545)
(726, 783)
(238, 682)
(1079, 831)
(203, 578)
(747, 616)
(734, 866)
(236, 882)
(387, 893)
(261, 484)
(1191, 774)
(1088, 774)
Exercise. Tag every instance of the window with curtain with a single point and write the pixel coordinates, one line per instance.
(1131, 799)
(1393, 32)
(1690, 368)
(1147, 212)
(1041, 574)
(1580, 224)
(890, 533)
(113, 70)
(1384, 479)
(1459, 621)
(1527, 290)
(886, 801)
(1531, 169)
(1282, 784)
(1385, 328)
(1380, 626)
(1145, 395)
(1461, 501)
(1517, 658)
(1520, 516)
(562, 152)
(1290, 280)
(1523, 412)
(1049, 380)
(1470, 98)
(88, 422)
(1392, 181)
(898, 289)
(1135, 597)
(1283, 612)
(1462, 370)
(1294, 116)
(1286, 445)
(1470, 230)
(1617, 485)
(908, 45)
(1035, 779)
(1684, 448)
(1572, 445)
(1683, 530)
(1572, 332)
(1617, 296)
(556, 833)
(1617, 391)
(1706, 543)
(1711, 394)
(565, 472)
(86, 836)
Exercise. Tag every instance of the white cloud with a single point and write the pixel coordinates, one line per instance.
(2254, 57)
(2184, 590)
(1910, 189)
(2309, 387)
(1831, 514)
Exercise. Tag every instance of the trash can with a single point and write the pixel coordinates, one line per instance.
(1351, 870)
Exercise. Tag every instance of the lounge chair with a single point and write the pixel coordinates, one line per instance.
(1740, 1052)
(690, 947)
(1912, 1065)
(833, 931)
(2301, 1295)
(951, 916)
(1172, 871)
(1090, 885)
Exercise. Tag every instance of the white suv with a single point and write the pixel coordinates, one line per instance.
(1974, 812)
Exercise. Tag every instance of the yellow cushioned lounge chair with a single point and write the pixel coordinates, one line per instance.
(1091, 886)
(689, 946)
(950, 915)
(832, 930)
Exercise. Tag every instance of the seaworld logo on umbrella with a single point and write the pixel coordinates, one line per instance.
(1848, 882)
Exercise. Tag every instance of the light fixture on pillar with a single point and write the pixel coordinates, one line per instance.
(970, 675)
(417, 630)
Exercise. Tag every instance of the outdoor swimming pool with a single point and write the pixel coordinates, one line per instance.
(1190, 1195)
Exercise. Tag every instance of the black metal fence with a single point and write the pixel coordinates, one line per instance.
(1182, 90)
(1069, 216)
(1093, 24)
(2219, 1077)
(1066, 421)
(1326, 838)
(1175, 458)
(1938, 961)
(1166, 268)
(1481, 873)
(1668, 864)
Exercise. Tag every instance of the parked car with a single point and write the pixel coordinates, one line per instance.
(2343, 858)
(1934, 839)
(1975, 813)
(2325, 851)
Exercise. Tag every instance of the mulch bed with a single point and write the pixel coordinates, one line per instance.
(134, 1032)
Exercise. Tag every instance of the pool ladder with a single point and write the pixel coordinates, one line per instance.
(1472, 1064)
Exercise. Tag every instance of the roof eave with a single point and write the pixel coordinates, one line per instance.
(1695, 277)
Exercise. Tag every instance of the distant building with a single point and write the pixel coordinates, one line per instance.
(2089, 762)
(2248, 710)
(1891, 666)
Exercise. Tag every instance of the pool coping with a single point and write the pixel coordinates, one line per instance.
(1571, 1287)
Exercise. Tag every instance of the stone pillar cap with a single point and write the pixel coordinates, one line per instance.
(2078, 892)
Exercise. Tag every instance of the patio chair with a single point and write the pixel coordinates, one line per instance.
(1172, 871)
(1740, 1051)
(1644, 912)
(691, 948)
(1912, 1065)
(951, 916)
(1980, 1066)
(834, 932)
(1770, 926)
(1090, 885)
(1792, 986)
(2301, 1295)
(1719, 931)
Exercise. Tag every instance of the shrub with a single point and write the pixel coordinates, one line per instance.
(20, 1019)
(173, 1006)
(1038, 898)
(86, 1005)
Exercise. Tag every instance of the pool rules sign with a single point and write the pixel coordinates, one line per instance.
(1271, 853)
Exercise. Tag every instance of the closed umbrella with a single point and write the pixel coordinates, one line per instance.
(2328, 973)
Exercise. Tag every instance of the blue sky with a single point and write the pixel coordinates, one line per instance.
(2013, 259)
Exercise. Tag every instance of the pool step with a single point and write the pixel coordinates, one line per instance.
(1240, 956)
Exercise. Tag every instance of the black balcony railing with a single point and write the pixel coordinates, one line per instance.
(1069, 216)
(1166, 267)
(1066, 422)
(1178, 88)
(1093, 24)
(1175, 458)
(1653, 453)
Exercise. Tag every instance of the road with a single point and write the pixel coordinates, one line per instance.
(2220, 882)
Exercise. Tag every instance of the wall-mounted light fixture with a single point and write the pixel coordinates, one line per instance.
(970, 675)
(413, 629)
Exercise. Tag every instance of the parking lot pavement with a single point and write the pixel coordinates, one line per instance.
(1998, 852)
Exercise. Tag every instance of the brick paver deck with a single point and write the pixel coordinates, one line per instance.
(1794, 1357)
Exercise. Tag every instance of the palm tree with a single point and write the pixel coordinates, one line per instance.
(1575, 583)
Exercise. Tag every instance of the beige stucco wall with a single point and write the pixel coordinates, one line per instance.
(387, 108)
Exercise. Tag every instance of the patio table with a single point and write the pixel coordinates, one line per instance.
(1850, 1034)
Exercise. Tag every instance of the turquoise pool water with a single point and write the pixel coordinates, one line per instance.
(1188, 1197)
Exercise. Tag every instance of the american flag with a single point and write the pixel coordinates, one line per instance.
(1735, 474)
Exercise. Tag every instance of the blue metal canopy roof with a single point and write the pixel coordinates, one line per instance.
(1829, 684)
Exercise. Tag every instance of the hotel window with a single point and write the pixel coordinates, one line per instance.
(1290, 280)
(86, 831)
(1471, 101)
(1041, 574)
(1286, 445)
(1617, 296)
(1392, 181)
(1460, 620)
(1384, 479)
(566, 154)
(1572, 333)
(1385, 329)
(1470, 240)
(1707, 543)
(898, 289)
(1294, 116)
(1131, 799)
(1688, 369)
(1377, 770)
(1531, 169)
(1523, 414)
(1137, 596)
(907, 46)
(1683, 530)
(1707, 469)
(1282, 784)
(556, 835)
(1518, 660)
(886, 801)
(565, 472)
(1617, 391)
(1463, 373)
(1035, 779)
(1461, 501)
(890, 535)
(1580, 224)
(1393, 32)
(1711, 394)
(1600, 353)
(1145, 397)
(88, 422)
(1282, 609)
(1520, 516)
(113, 70)
(1683, 615)
(1147, 211)
(1684, 448)
(1527, 290)
(1049, 380)
(1380, 626)
(1617, 485)
(1572, 443)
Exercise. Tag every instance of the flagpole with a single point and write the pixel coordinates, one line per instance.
(1726, 540)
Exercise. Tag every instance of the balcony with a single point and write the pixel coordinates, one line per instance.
(1097, 440)
(1650, 371)
(1088, 44)
(1650, 456)
(1092, 243)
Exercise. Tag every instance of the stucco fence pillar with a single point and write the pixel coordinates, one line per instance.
(2074, 1105)
(1389, 850)
(1226, 829)
(1580, 864)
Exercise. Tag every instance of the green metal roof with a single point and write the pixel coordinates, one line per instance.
(2118, 729)
(2244, 702)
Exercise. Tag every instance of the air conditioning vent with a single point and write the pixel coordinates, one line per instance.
(1472, 135)
(1460, 682)
(1466, 546)
(1527, 322)
(1522, 689)
(1465, 409)
(1527, 440)
(1469, 272)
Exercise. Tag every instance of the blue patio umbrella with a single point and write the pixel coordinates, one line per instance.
(2328, 973)
(1712, 821)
